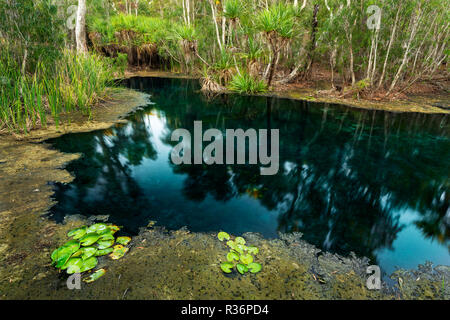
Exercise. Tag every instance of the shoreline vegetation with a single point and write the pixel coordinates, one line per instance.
(60, 58)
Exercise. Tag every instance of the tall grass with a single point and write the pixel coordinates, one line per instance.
(245, 83)
(26, 101)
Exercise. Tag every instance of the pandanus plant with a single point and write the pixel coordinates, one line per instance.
(277, 25)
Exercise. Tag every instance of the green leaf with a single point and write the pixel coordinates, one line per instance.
(254, 267)
(239, 240)
(231, 244)
(103, 244)
(118, 252)
(73, 265)
(103, 252)
(88, 252)
(232, 255)
(242, 268)
(61, 255)
(123, 240)
(240, 248)
(226, 267)
(107, 236)
(246, 258)
(97, 228)
(89, 239)
(223, 236)
(89, 264)
(95, 276)
(253, 250)
(77, 233)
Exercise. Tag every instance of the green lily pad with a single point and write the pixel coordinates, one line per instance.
(78, 253)
(73, 265)
(240, 248)
(118, 252)
(89, 239)
(223, 236)
(253, 250)
(106, 236)
(88, 252)
(231, 244)
(61, 255)
(226, 267)
(97, 228)
(113, 228)
(88, 264)
(239, 240)
(77, 233)
(123, 240)
(103, 252)
(246, 258)
(254, 267)
(232, 255)
(103, 244)
(242, 268)
(94, 276)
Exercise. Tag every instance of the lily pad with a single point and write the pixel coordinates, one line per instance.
(88, 264)
(89, 239)
(226, 267)
(246, 258)
(252, 250)
(103, 244)
(118, 252)
(94, 276)
(254, 267)
(73, 265)
(103, 252)
(231, 244)
(223, 236)
(77, 233)
(242, 268)
(114, 228)
(240, 248)
(88, 252)
(97, 228)
(61, 255)
(123, 240)
(232, 255)
(107, 236)
(239, 240)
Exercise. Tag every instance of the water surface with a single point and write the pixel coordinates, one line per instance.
(371, 182)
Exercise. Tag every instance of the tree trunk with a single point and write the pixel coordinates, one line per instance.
(80, 29)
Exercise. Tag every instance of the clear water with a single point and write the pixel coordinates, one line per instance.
(371, 182)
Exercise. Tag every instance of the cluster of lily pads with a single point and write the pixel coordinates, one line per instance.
(80, 254)
(240, 255)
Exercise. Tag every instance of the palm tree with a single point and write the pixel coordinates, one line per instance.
(277, 25)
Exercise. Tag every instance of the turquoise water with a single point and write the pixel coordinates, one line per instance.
(371, 182)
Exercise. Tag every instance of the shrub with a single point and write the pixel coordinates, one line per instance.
(244, 83)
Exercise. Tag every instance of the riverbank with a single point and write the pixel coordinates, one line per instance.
(160, 264)
(425, 101)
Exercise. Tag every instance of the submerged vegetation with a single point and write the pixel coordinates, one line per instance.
(80, 254)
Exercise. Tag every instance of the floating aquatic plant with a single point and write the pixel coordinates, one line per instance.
(239, 256)
(80, 254)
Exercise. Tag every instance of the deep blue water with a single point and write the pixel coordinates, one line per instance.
(375, 183)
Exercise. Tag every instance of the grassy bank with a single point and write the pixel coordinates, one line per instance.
(74, 83)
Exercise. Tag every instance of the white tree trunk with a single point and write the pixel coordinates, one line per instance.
(80, 29)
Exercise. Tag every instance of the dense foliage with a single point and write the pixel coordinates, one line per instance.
(244, 45)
